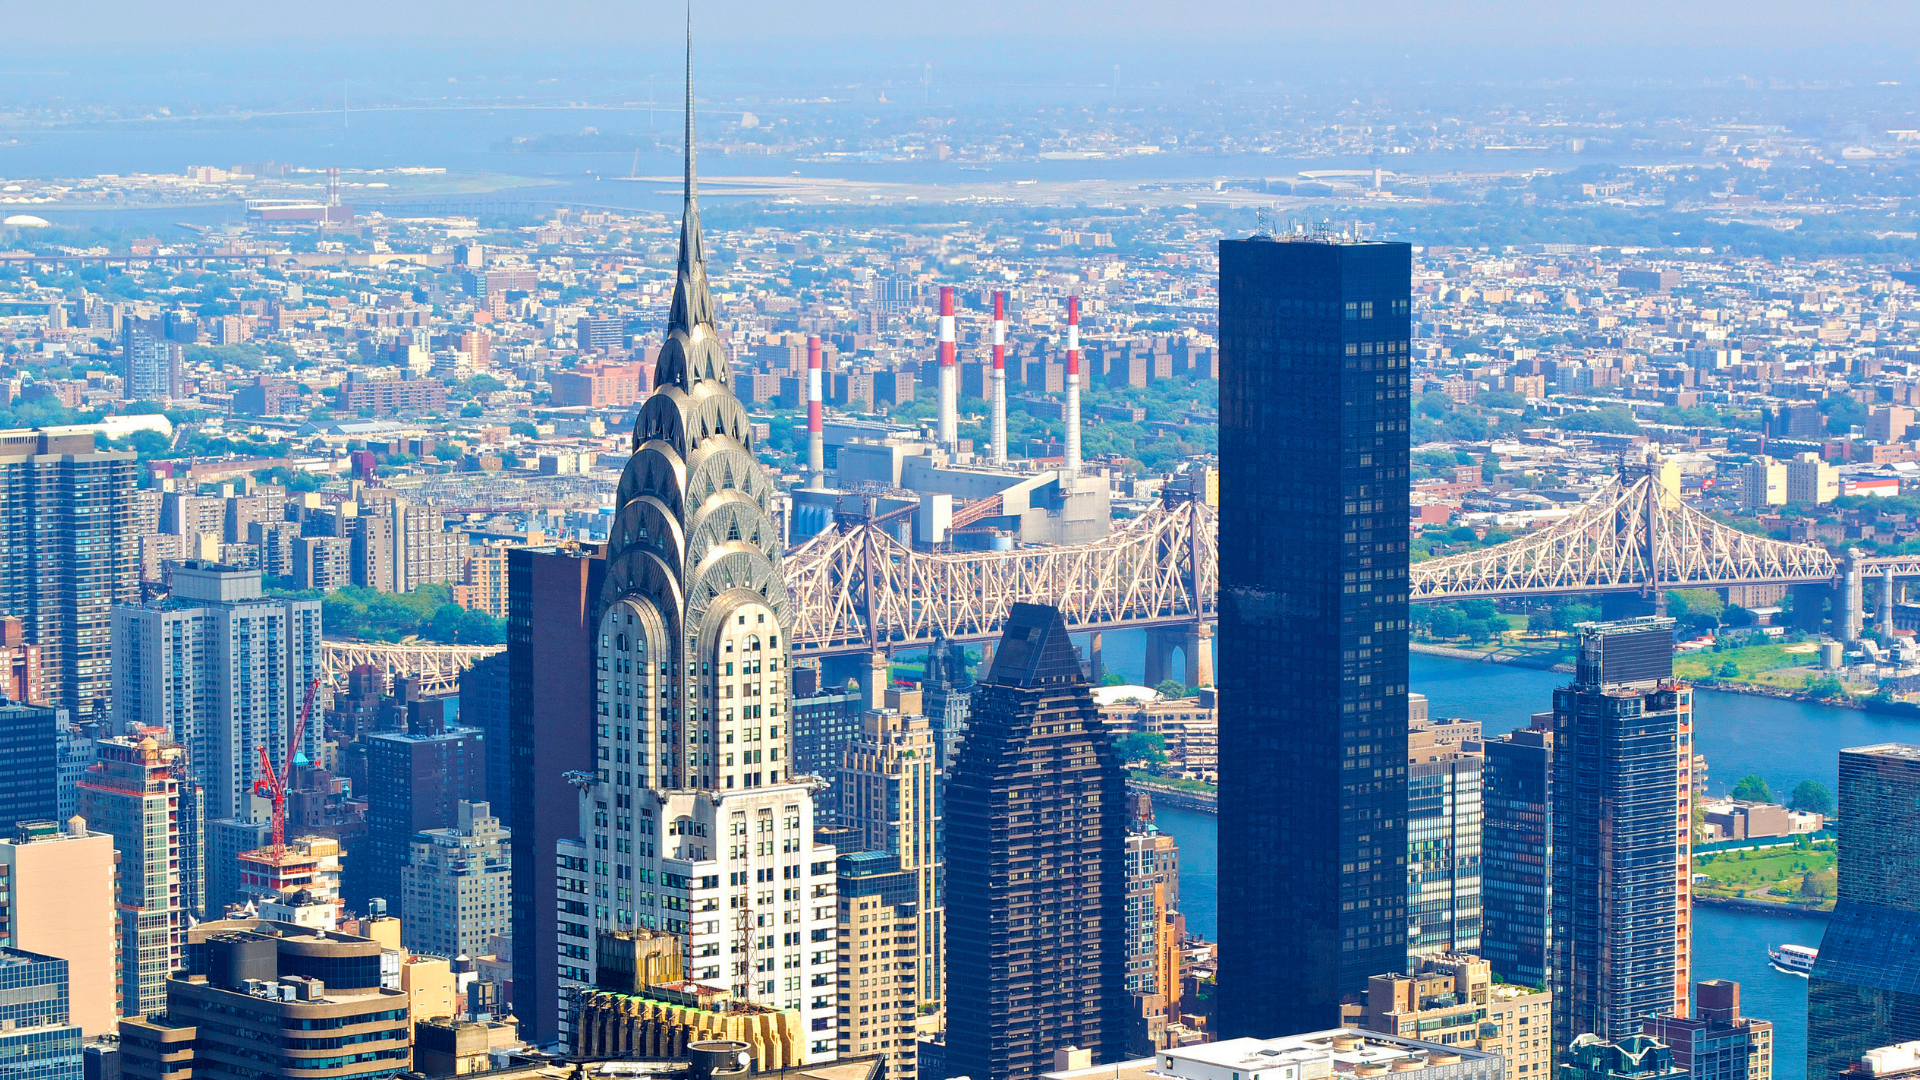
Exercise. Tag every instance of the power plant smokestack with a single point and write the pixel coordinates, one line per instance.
(816, 449)
(949, 374)
(999, 378)
(1073, 387)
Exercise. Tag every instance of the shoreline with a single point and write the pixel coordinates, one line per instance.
(1537, 663)
(1910, 710)
(1761, 907)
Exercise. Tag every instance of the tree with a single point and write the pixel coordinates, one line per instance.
(1685, 603)
(1729, 670)
(1825, 686)
(1112, 678)
(1446, 622)
(1147, 746)
(1753, 788)
(1171, 688)
(1811, 796)
(1540, 622)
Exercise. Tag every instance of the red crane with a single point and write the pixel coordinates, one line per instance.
(274, 785)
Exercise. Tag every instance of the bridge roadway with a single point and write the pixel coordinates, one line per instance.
(857, 590)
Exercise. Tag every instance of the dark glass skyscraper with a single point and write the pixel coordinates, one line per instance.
(1313, 626)
(1865, 989)
(1621, 827)
(29, 769)
(1036, 866)
(1517, 878)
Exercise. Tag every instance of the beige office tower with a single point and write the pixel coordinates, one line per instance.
(57, 899)
(133, 794)
(886, 787)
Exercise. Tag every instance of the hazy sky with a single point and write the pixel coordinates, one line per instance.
(1705, 24)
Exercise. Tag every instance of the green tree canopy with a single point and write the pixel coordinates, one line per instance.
(1147, 746)
(1753, 788)
(1811, 796)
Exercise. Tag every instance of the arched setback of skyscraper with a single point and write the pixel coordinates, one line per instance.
(692, 823)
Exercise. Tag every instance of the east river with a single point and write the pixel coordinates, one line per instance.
(1784, 741)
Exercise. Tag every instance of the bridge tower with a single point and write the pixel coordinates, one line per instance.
(1852, 598)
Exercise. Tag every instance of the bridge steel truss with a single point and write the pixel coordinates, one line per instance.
(857, 589)
(437, 666)
(1634, 535)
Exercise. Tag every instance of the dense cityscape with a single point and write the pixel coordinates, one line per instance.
(887, 581)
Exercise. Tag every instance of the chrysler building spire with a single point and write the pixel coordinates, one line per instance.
(692, 806)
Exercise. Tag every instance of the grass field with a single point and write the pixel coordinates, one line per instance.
(1773, 874)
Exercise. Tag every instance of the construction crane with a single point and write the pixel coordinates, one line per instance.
(274, 785)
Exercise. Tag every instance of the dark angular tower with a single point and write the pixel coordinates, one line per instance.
(1313, 626)
(1036, 838)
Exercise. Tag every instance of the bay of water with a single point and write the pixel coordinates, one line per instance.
(1783, 741)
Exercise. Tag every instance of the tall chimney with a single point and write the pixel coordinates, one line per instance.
(949, 374)
(1000, 378)
(816, 449)
(1073, 387)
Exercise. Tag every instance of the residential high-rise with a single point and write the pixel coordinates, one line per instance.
(69, 552)
(1621, 826)
(272, 1000)
(149, 361)
(398, 545)
(887, 787)
(222, 670)
(456, 885)
(1453, 998)
(1036, 823)
(1154, 927)
(136, 793)
(30, 738)
(691, 804)
(1864, 992)
(20, 678)
(1716, 1043)
(417, 780)
(1516, 846)
(880, 950)
(57, 898)
(824, 720)
(38, 1038)
(1443, 841)
(1312, 642)
(549, 700)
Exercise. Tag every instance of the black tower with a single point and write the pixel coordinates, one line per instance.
(1313, 626)
(1036, 836)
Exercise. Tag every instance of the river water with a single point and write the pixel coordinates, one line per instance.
(1783, 741)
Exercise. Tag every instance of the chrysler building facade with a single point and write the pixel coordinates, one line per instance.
(692, 823)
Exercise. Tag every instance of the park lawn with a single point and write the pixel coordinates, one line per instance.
(1753, 661)
(1764, 867)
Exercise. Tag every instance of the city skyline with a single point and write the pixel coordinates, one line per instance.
(1118, 553)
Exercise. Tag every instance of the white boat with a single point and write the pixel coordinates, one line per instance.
(1793, 959)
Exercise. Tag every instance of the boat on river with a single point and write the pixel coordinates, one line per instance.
(1793, 959)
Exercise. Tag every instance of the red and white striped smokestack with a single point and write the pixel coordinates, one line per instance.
(1073, 387)
(816, 447)
(999, 378)
(949, 374)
